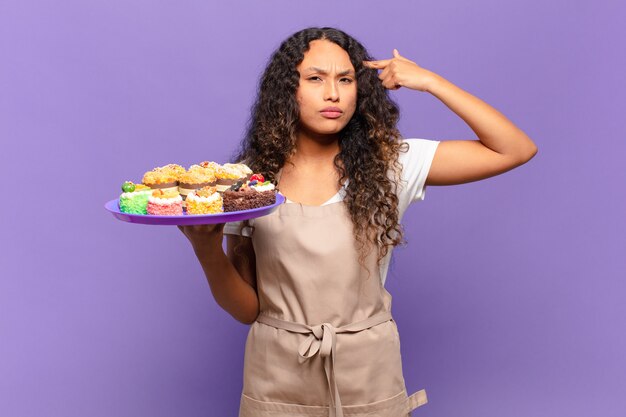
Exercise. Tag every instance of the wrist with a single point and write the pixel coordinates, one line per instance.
(208, 253)
(434, 83)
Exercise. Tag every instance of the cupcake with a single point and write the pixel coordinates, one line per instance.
(195, 179)
(228, 175)
(165, 203)
(206, 200)
(206, 166)
(134, 198)
(243, 170)
(253, 194)
(257, 183)
(162, 178)
(174, 168)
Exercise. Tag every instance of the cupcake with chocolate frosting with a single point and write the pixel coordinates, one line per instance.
(249, 195)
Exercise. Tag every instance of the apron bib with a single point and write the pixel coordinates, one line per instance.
(325, 343)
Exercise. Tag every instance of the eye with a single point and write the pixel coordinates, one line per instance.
(346, 80)
(314, 78)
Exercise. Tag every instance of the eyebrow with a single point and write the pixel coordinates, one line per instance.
(323, 71)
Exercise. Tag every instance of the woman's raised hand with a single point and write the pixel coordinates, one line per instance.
(402, 72)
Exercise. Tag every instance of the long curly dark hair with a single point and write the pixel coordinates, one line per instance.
(369, 144)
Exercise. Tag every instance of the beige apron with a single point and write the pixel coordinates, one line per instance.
(324, 343)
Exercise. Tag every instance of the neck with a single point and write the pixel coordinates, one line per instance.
(315, 148)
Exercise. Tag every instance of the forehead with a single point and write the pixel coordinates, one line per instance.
(326, 55)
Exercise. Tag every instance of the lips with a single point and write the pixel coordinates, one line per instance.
(331, 112)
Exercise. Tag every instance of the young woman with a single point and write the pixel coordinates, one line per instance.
(309, 277)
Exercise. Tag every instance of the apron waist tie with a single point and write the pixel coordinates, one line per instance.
(322, 339)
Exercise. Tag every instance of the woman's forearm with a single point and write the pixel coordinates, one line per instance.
(493, 129)
(229, 289)
(497, 134)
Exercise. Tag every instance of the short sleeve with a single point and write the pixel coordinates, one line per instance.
(415, 163)
(234, 228)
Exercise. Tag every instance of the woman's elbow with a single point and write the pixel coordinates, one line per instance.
(247, 318)
(527, 152)
(247, 321)
(532, 151)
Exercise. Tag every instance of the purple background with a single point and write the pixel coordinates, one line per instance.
(509, 296)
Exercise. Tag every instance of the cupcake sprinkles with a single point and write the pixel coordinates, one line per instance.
(203, 189)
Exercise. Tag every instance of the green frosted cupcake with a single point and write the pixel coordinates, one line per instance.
(134, 198)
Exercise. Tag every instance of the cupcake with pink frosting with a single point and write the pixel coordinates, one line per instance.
(165, 203)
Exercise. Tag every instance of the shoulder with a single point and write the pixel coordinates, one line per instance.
(415, 158)
(417, 149)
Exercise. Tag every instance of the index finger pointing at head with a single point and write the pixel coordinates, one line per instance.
(377, 64)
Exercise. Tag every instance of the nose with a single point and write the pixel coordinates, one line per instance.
(331, 91)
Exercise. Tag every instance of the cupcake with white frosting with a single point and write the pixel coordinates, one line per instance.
(206, 200)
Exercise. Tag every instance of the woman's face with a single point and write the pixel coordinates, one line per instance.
(327, 93)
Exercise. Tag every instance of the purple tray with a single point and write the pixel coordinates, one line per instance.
(191, 219)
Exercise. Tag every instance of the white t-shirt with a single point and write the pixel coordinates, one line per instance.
(415, 164)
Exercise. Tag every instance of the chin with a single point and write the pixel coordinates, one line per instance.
(332, 132)
(332, 128)
(324, 130)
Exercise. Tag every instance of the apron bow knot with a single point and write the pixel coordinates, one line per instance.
(322, 339)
